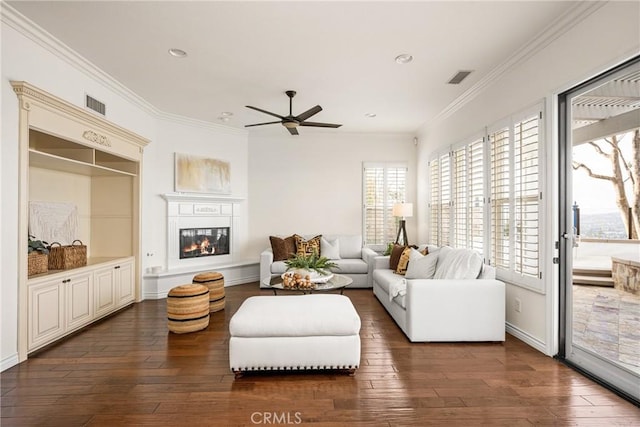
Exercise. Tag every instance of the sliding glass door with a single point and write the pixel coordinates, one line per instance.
(600, 228)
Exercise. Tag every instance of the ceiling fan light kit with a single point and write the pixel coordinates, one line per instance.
(292, 122)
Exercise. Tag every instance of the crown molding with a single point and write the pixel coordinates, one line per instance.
(552, 32)
(188, 121)
(43, 38)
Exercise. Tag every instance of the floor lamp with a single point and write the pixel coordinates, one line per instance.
(402, 210)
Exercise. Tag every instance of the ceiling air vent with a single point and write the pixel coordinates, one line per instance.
(459, 77)
(95, 105)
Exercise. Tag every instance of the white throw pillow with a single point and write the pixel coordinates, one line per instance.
(458, 264)
(330, 248)
(423, 267)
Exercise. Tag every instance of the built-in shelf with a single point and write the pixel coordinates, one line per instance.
(50, 152)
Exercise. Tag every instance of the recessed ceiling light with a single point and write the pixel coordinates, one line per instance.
(223, 118)
(226, 114)
(178, 53)
(370, 115)
(405, 58)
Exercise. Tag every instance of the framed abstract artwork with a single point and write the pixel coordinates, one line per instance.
(195, 174)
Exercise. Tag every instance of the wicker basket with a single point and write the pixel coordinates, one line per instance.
(69, 256)
(37, 263)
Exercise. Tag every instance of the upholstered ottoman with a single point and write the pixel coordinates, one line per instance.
(295, 332)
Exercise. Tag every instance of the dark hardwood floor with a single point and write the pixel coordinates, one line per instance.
(129, 370)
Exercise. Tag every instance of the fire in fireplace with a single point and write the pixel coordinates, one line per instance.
(199, 242)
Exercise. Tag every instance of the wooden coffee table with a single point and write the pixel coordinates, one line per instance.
(337, 283)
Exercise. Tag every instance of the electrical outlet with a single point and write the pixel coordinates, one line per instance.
(517, 305)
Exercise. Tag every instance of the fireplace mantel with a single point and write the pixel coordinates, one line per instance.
(200, 197)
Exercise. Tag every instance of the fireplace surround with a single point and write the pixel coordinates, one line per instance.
(202, 229)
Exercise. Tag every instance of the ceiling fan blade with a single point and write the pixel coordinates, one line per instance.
(265, 111)
(293, 131)
(260, 124)
(310, 112)
(319, 125)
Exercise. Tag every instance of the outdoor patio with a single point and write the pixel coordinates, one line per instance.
(607, 321)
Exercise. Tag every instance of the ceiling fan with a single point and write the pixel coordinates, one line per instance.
(292, 122)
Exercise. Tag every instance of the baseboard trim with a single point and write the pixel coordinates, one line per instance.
(526, 338)
(162, 294)
(9, 362)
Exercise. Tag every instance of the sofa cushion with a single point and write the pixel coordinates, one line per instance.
(391, 283)
(422, 267)
(330, 248)
(384, 277)
(350, 246)
(351, 266)
(345, 266)
(282, 248)
(308, 247)
(458, 264)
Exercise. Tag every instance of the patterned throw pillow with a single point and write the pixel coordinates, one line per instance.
(282, 249)
(403, 263)
(307, 247)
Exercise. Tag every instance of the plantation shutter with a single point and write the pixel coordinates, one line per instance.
(476, 195)
(460, 198)
(526, 196)
(500, 203)
(445, 200)
(434, 205)
(383, 186)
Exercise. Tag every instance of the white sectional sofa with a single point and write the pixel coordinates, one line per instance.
(462, 302)
(353, 261)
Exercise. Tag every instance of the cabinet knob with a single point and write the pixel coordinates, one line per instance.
(117, 266)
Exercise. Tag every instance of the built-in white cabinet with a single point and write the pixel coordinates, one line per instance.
(78, 291)
(46, 317)
(70, 155)
(123, 278)
(65, 301)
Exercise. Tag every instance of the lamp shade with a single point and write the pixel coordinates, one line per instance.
(403, 210)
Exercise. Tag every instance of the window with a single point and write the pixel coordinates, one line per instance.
(468, 197)
(500, 197)
(384, 184)
(485, 195)
(440, 204)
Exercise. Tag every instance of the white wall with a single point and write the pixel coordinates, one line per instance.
(312, 183)
(195, 138)
(602, 40)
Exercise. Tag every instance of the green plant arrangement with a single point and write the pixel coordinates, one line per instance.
(312, 262)
(389, 249)
(37, 245)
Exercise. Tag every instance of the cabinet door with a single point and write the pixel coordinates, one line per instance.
(79, 300)
(104, 291)
(124, 283)
(46, 313)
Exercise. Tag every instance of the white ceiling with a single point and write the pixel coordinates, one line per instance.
(337, 54)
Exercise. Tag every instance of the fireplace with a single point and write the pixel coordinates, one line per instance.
(204, 241)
